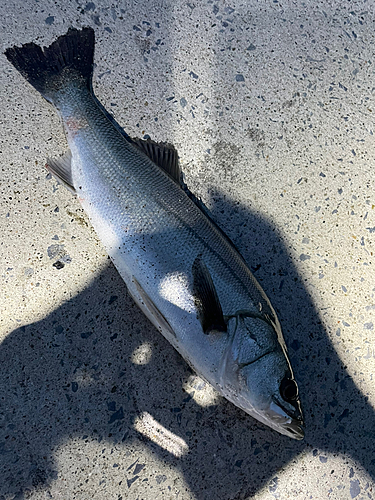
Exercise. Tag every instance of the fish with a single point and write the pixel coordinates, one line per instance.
(180, 268)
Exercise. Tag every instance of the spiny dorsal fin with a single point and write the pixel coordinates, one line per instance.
(61, 168)
(206, 299)
(163, 154)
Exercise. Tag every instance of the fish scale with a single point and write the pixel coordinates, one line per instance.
(132, 188)
(181, 270)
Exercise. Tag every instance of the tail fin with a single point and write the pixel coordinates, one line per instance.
(70, 57)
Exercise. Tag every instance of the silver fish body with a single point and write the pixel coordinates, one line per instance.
(180, 269)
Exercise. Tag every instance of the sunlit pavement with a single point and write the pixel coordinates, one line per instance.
(270, 106)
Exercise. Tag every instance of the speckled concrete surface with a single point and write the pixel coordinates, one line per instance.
(271, 106)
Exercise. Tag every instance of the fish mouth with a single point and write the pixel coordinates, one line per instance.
(284, 422)
(294, 429)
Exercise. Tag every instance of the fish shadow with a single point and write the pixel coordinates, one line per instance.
(73, 377)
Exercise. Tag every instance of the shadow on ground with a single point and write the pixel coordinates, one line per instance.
(71, 376)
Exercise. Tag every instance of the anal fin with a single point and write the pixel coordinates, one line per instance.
(155, 316)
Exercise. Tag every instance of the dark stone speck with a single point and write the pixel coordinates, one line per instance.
(303, 257)
(274, 484)
(343, 415)
(355, 489)
(90, 6)
(138, 468)
(131, 481)
(118, 415)
(327, 419)
(86, 335)
(111, 406)
(295, 345)
(96, 20)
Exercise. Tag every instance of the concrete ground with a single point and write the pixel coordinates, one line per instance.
(270, 105)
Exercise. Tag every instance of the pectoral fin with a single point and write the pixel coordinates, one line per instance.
(61, 168)
(206, 299)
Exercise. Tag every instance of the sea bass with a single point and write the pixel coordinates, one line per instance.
(180, 268)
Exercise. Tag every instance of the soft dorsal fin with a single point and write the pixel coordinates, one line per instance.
(164, 155)
(61, 168)
(206, 299)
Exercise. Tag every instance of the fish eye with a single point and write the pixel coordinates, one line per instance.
(288, 389)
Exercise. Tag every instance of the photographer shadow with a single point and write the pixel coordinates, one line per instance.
(75, 376)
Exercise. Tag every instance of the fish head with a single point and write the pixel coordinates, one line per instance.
(269, 392)
(256, 376)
